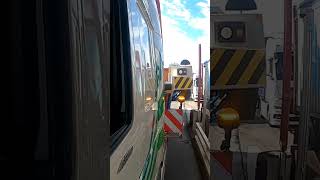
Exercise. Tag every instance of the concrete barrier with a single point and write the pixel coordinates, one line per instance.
(195, 117)
(201, 141)
(205, 115)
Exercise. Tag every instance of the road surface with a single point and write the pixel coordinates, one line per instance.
(181, 162)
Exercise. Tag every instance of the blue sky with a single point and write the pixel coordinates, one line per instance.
(185, 24)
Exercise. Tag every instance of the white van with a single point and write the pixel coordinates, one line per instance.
(138, 145)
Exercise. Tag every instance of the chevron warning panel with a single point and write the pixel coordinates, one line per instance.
(237, 68)
(173, 121)
(182, 82)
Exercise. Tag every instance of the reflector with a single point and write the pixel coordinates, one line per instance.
(228, 118)
(181, 99)
(226, 32)
(230, 31)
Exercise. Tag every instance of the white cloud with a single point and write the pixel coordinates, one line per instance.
(202, 23)
(204, 8)
(178, 45)
(176, 9)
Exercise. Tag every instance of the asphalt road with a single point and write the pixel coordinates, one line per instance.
(181, 162)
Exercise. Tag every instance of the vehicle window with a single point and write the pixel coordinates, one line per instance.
(158, 60)
(143, 53)
(145, 42)
(139, 54)
(144, 36)
(152, 50)
(154, 14)
(145, 46)
(120, 110)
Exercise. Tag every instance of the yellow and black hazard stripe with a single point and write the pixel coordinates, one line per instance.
(237, 68)
(182, 82)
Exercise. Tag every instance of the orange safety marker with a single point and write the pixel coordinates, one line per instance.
(173, 121)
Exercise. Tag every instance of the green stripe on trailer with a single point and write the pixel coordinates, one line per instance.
(153, 152)
(157, 141)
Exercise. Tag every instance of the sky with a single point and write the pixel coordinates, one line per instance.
(185, 25)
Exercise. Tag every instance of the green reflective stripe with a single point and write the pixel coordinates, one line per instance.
(151, 160)
(157, 141)
(160, 107)
(157, 138)
(159, 73)
(147, 165)
(160, 139)
(152, 164)
(156, 147)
